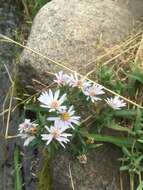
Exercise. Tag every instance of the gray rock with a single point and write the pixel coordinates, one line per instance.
(74, 32)
(100, 173)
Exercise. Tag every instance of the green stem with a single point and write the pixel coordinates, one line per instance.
(131, 181)
(45, 176)
(17, 169)
(140, 180)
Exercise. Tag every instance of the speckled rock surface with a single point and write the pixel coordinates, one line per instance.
(74, 32)
(100, 173)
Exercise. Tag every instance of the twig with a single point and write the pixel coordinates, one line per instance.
(9, 111)
(10, 78)
(86, 119)
(71, 178)
(11, 137)
(140, 51)
(10, 102)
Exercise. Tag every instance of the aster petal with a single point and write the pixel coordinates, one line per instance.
(48, 129)
(53, 118)
(62, 99)
(62, 144)
(56, 96)
(44, 106)
(49, 140)
(28, 140)
(51, 97)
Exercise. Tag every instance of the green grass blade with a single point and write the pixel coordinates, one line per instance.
(17, 170)
(118, 141)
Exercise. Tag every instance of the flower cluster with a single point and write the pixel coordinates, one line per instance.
(91, 91)
(60, 116)
(65, 119)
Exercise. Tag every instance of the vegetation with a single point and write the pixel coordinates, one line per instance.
(17, 170)
(90, 133)
(31, 7)
(124, 79)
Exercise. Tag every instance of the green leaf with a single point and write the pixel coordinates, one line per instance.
(127, 114)
(126, 152)
(140, 187)
(140, 140)
(35, 108)
(136, 74)
(118, 141)
(138, 125)
(17, 170)
(90, 146)
(117, 127)
(140, 158)
(124, 168)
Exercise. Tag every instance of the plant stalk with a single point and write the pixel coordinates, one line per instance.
(131, 181)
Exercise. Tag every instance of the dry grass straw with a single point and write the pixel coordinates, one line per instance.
(11, 93)
(118, 49)
(71, 178)
(139, 54)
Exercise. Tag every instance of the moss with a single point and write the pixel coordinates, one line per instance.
(45, 176)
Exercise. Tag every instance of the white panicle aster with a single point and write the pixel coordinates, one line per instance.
(25, 125)
(115, 103)
(77, 81)
(27, 131)
(93, 91)
(61, 78)
(66, 118)
(52, 101)
(56, 132)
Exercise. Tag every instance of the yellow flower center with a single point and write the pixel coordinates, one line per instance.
(79, 83)
(55, 104)
(65, 116)
(56, 133)
(32, 131)
(92, 93)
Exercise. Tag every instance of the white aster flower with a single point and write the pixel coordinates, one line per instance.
(27, 131)
(52, 101)
(66, 118)
(93, 91)
(56, 132)
(61, 78)
(77, 81)
(115, 103)
(24, 126)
